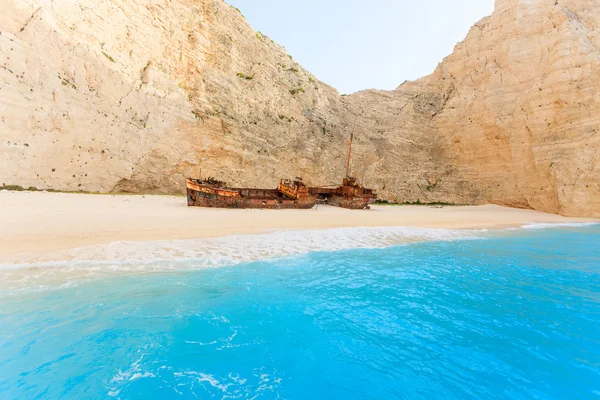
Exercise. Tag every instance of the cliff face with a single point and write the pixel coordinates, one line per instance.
(521, 118)
(134, 96)
(511, 117)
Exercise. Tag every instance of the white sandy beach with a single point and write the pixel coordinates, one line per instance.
(34, 223)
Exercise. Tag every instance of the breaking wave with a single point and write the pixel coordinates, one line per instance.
(550, 225)
(69, 267)
(234, 249)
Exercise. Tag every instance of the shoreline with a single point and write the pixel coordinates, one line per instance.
(39, 224)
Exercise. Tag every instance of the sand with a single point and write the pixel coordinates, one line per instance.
(39, 222)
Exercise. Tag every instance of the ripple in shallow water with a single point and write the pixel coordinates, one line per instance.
(126, 258)
(506, 317)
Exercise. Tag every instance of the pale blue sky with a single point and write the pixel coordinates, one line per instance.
(354, 45)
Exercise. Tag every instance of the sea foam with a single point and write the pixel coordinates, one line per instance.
(234, 249)
(550, 225)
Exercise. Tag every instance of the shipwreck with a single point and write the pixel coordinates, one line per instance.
(288, 194)
(349, 194)
(214, 193)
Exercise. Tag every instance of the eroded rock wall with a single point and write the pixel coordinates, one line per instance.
(521, 123)
(511, 117)
(135, 95)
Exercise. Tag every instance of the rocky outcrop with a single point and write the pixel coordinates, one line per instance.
(134, 96)
(511, 117)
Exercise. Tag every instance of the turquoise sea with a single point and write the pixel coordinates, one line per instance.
(477, 315)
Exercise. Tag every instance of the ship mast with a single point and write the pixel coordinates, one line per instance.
(349, 155)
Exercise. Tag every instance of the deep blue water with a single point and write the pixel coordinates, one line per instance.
(512, 316)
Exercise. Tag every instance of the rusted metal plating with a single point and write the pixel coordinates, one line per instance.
(349, 195)
(289, 194)
(213, 193)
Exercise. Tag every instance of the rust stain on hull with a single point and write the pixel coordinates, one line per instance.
(289, 194)
(349, 195)
(212, 193)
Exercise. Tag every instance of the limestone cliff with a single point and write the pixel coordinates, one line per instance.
(135, 95)
(514, 111)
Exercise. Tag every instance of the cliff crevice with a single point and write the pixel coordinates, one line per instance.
(135, 96)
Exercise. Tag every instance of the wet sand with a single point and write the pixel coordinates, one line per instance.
(39, 222)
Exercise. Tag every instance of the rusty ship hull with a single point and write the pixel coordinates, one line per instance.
(214, 194)
(351, 203)
(349, 195)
